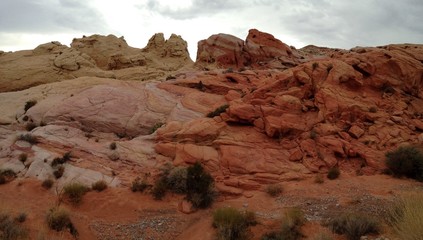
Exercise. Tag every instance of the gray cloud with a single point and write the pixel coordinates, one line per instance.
(199, 8)
(48, 16)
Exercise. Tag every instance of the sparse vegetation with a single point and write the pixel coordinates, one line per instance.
(315, 65)
(313, 134)
(99, 186)
(159, 188)
(274, 190)
(218, 111)
(66, 157)
(30, 125)
(6, 175)
(29, 104)
(47, 183)
(199, 186)
(155, 127)
(353, 225)
(11, 229)
(329, 67)
(75, 191)
(139, 185)
(21, 217)
(58, 219)
(406, 216)
(23, 157)
(112, 146)
(319, 178)
(177, 180)
(373, 109)
(290, 228)
(28, 138)
(333, 173)
(406, 161)
(232, 224)
(58, 173)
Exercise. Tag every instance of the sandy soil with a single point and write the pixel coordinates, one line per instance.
(118, 213)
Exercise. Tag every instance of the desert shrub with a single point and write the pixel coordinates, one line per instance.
(99, 186)
(329, 67)
(58, 173)
(74, 192)
(232, 224)
(58, 219)
(139, 185)
(315, 65)
(218, 111)
(177, 180)
(6, 175)
(291, 226)
(406, 216)
(28, 138)
(66, 157)
(273, 190)
(29, 104)
(199, 186)
(155, 127)
(23, 157)
(11, 229)
(373, 109)
(353, 225)
(323, 236)
(30, 125)
(159, 188)
(333, 173)
(406, 161)
(112, 146)
(21, 217)
(47, 183)
(319, 179)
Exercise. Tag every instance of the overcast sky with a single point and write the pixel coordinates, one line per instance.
(24, 24)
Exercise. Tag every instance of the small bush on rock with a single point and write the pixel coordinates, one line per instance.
(28, 138)
(29, 104)
(6, 175)
(58, 173)
(218, 111)
(406, 162)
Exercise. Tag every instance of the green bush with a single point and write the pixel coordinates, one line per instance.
(274, 190)
(47, 183)
(353, 226)
(139, 185)
(75, 191)
(333, 173)
(11, 229)
(218, 111)
(406, 216)
(28, 138)
(99, 186)
(199, 186)
(406, 161)
(58, 219)
(232, 224)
